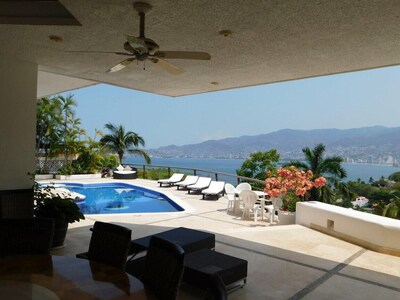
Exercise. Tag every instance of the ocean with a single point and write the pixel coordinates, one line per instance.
(354, 171)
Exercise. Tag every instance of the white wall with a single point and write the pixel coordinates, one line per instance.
(18, 84)
(376, 230)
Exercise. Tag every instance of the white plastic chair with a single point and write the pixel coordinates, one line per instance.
(249, 199)
(244, 186)
(230, 195)
(277, 204)
(271, 212)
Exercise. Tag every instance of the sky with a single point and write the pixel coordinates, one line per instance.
(350, 100)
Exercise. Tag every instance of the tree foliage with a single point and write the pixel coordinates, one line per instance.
(257, 165)
(328, 167)
(59, 132)
(118, 141)
(48, 120)
(395, 177)
(392, 210)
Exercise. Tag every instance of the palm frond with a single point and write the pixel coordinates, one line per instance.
(142, 153)
(298, 164)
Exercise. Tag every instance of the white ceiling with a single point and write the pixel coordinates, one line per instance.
(50, 84)
(272, 41)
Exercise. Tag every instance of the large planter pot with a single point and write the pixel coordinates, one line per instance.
(286, 217)
(60, 232)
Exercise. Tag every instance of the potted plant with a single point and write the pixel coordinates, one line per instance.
(291, 185)
(59, 206)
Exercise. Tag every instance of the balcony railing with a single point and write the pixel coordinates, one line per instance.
(218, 176)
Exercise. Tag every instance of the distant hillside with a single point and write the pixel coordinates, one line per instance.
(358, 143)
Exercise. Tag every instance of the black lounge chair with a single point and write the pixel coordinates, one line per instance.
(161, 269)
(201, 265)
(109, 244)
(189, 239)
(26, 236)
(217, 289)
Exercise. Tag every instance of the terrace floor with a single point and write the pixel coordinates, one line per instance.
(285, 262)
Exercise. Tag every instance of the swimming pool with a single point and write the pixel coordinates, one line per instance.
(115, 198)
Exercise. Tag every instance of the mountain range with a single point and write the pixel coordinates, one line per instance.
(354, 144)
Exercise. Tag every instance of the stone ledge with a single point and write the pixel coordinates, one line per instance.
(373, 232)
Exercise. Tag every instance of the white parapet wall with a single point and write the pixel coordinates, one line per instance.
(367, 230)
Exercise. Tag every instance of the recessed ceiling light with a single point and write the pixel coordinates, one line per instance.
(55, 38)
(214, 82)
(226, 32)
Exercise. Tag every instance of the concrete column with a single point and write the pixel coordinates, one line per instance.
(18, 85)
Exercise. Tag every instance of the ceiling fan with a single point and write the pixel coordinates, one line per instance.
(144, 49)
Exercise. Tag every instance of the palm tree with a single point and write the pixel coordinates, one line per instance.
(329, 167)
(392, 210)
(69, 130)
(118, 140)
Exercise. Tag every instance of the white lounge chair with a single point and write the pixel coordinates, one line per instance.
(175, 178)
(190, 179)
(201, 184)
(215, 188)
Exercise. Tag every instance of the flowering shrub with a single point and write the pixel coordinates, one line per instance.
(291, 184)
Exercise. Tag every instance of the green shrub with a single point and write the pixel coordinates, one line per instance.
(156, 174)
(110, 161)
(49, 204)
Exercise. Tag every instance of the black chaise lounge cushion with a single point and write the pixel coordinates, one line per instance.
(202, 264)
(189, 239)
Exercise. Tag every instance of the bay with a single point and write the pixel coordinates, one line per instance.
(354, 171)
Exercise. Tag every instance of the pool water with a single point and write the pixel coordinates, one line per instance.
(114, 198)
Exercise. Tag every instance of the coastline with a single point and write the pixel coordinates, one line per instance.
(362, 171)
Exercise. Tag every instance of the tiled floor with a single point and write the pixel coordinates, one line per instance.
(285, 262)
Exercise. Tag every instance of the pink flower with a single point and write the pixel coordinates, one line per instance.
(290, 179)
(320, 181)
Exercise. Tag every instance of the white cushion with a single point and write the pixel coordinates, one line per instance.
(127, 168)
(120, 168)
(125, 172)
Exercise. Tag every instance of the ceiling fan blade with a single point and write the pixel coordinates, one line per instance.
(183, 55)
(121, 65)
(167, 66)
(102, 52)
